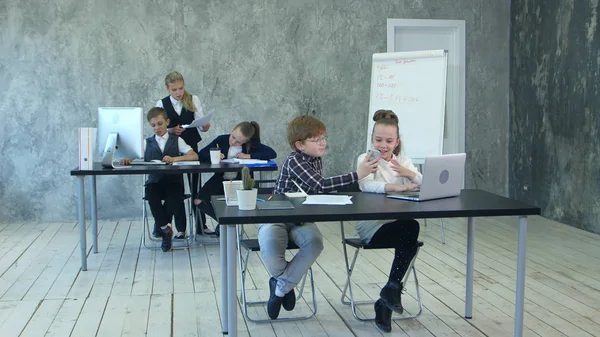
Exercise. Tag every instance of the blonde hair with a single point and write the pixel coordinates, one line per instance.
(304, 127)
(387, 117)
(173, 77)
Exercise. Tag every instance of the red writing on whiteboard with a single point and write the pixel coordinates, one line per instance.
(405, 61)
(397, 98)
(386, 85)
(383, 78)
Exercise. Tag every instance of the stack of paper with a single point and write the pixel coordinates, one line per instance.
(324, 199)
(243, 161)
(189, 162)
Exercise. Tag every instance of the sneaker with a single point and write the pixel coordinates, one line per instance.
(157, 233)
(289, 301)
(383, 317)
(274, 304)
(179, 236)
(391, 296)
(167, 236)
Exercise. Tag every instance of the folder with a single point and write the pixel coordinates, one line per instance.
(87, 147)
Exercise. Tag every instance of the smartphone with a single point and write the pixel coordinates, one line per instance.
(375, 154)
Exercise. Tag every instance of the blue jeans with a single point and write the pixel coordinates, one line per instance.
(273, 240)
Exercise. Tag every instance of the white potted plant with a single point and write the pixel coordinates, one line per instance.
(247, 195)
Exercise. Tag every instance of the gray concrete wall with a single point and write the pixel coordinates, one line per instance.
(267, 61)
(554, 121)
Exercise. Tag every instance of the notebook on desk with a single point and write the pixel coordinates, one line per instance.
(278, 204)
(442, 178)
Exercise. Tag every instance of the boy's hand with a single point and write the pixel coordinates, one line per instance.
(401, 170)
(176, 130)
(367, 166)
(205, 127)
(125, 161)
(168, 159)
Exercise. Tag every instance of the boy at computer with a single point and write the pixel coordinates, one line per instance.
(306, 136)
(167, 187)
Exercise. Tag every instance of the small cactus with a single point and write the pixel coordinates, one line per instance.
(247, 181)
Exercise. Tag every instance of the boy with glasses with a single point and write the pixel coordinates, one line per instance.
(306, 136)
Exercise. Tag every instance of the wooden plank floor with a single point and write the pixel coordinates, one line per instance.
(129, 290)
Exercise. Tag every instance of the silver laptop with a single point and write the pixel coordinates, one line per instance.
(442, 178)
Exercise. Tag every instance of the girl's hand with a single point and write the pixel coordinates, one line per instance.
(222, 156)
(176, 130)
(168, 159)
(405, 187)
(401, 170)
(125, 161)
(367, 166)
(205, 127)
(242, 156)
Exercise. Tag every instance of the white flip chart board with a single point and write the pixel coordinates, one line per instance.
(413, 85)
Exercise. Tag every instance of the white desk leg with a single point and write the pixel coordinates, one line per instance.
(470, 261)
(81, 219)
(94, 216)
(223, 252)
(231, 281)
(521, 257)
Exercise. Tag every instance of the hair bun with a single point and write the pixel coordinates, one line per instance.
(385, 114)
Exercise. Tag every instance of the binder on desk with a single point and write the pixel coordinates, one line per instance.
(269, 163)
(87, 146)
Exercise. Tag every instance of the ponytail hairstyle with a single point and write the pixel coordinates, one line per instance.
(388, 117)
(250, 130)
(173, 77)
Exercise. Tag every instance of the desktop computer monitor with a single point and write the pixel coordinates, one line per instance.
(120, 134)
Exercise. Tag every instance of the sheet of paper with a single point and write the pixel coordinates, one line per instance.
(198, 123)
(189, 162)
(324, 199)
(243, 161)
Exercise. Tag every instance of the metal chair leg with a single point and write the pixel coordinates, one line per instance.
(243, 262)
(347, 291)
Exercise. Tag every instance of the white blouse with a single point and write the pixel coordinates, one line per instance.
(375, 183)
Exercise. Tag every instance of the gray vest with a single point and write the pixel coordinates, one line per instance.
(153, 152)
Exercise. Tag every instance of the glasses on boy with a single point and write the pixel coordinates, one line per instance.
(320, 140)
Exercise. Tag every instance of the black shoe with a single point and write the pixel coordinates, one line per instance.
(390, 296)
(179, 237)
(383, 316)
(218, 230)
(289, 301)
(157, 233)
(274, 304)
(167, 236)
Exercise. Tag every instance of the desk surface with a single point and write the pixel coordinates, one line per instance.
(98, 170)
(370, 206)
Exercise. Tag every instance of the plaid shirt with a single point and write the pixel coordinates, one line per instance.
(307, 172)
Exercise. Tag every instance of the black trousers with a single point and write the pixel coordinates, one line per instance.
(402, 235)
(168, 191)
(214, 186)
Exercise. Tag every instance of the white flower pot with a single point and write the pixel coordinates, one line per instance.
(247, 199)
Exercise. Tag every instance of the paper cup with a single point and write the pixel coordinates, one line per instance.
(215, 156)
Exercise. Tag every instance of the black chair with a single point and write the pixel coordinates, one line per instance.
(147, 230)
(251, 245)
(357, 244)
